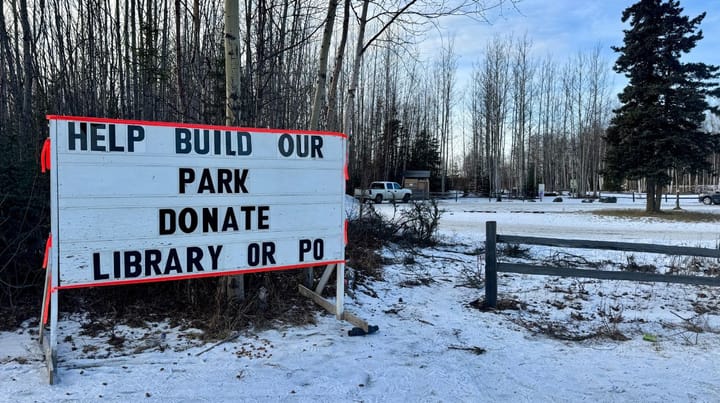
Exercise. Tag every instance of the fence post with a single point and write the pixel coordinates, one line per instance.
(490, 264)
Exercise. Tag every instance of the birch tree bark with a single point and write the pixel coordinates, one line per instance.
(352, 89)
(235, 285)
(332, 117)
(232, 63)
(320, 90)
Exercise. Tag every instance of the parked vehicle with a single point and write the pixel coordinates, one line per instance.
(379, 191)
(709, 198)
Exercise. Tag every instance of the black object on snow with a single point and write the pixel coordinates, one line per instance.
(356, 331)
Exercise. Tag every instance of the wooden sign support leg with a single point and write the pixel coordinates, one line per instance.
(45, 310)
(52, 350)
(340, 293)
(324, 278)
(338, 309)
(49, 311)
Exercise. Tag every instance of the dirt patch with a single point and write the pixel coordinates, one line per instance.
(503, 304)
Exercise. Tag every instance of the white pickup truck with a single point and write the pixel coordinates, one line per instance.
(379, 191)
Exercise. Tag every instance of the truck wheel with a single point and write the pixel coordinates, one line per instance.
(378, 199)
(707, 200)
(406, 198)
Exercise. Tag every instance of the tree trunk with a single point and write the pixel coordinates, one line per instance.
(658, 197)
(654, 195)
(332, 119)
(235, 285)
(232, 63)
(349, 117)
(319, 98)
(26, 114)
(179, 63)
(248, 98)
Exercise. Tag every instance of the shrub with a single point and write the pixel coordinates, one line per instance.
(419, 223)
(370, 231)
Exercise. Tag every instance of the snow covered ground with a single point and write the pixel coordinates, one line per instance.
(561, 344)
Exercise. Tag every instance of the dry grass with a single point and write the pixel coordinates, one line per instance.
(194, 304)
(667, 215)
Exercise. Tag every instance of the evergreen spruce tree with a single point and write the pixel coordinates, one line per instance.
(658, 128)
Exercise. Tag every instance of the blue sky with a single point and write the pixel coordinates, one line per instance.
(563, 28)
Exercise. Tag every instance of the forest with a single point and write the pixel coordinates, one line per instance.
(356, 67)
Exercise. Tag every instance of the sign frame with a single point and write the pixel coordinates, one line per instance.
(58, 252)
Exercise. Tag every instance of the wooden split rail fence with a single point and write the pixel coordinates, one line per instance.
(492, 266)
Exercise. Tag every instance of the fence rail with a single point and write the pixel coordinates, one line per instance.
(492, 266)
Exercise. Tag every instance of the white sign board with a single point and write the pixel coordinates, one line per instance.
(136, 201)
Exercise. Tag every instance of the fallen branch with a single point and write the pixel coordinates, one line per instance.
(474, 349)
(452, 259)
(225, 340)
